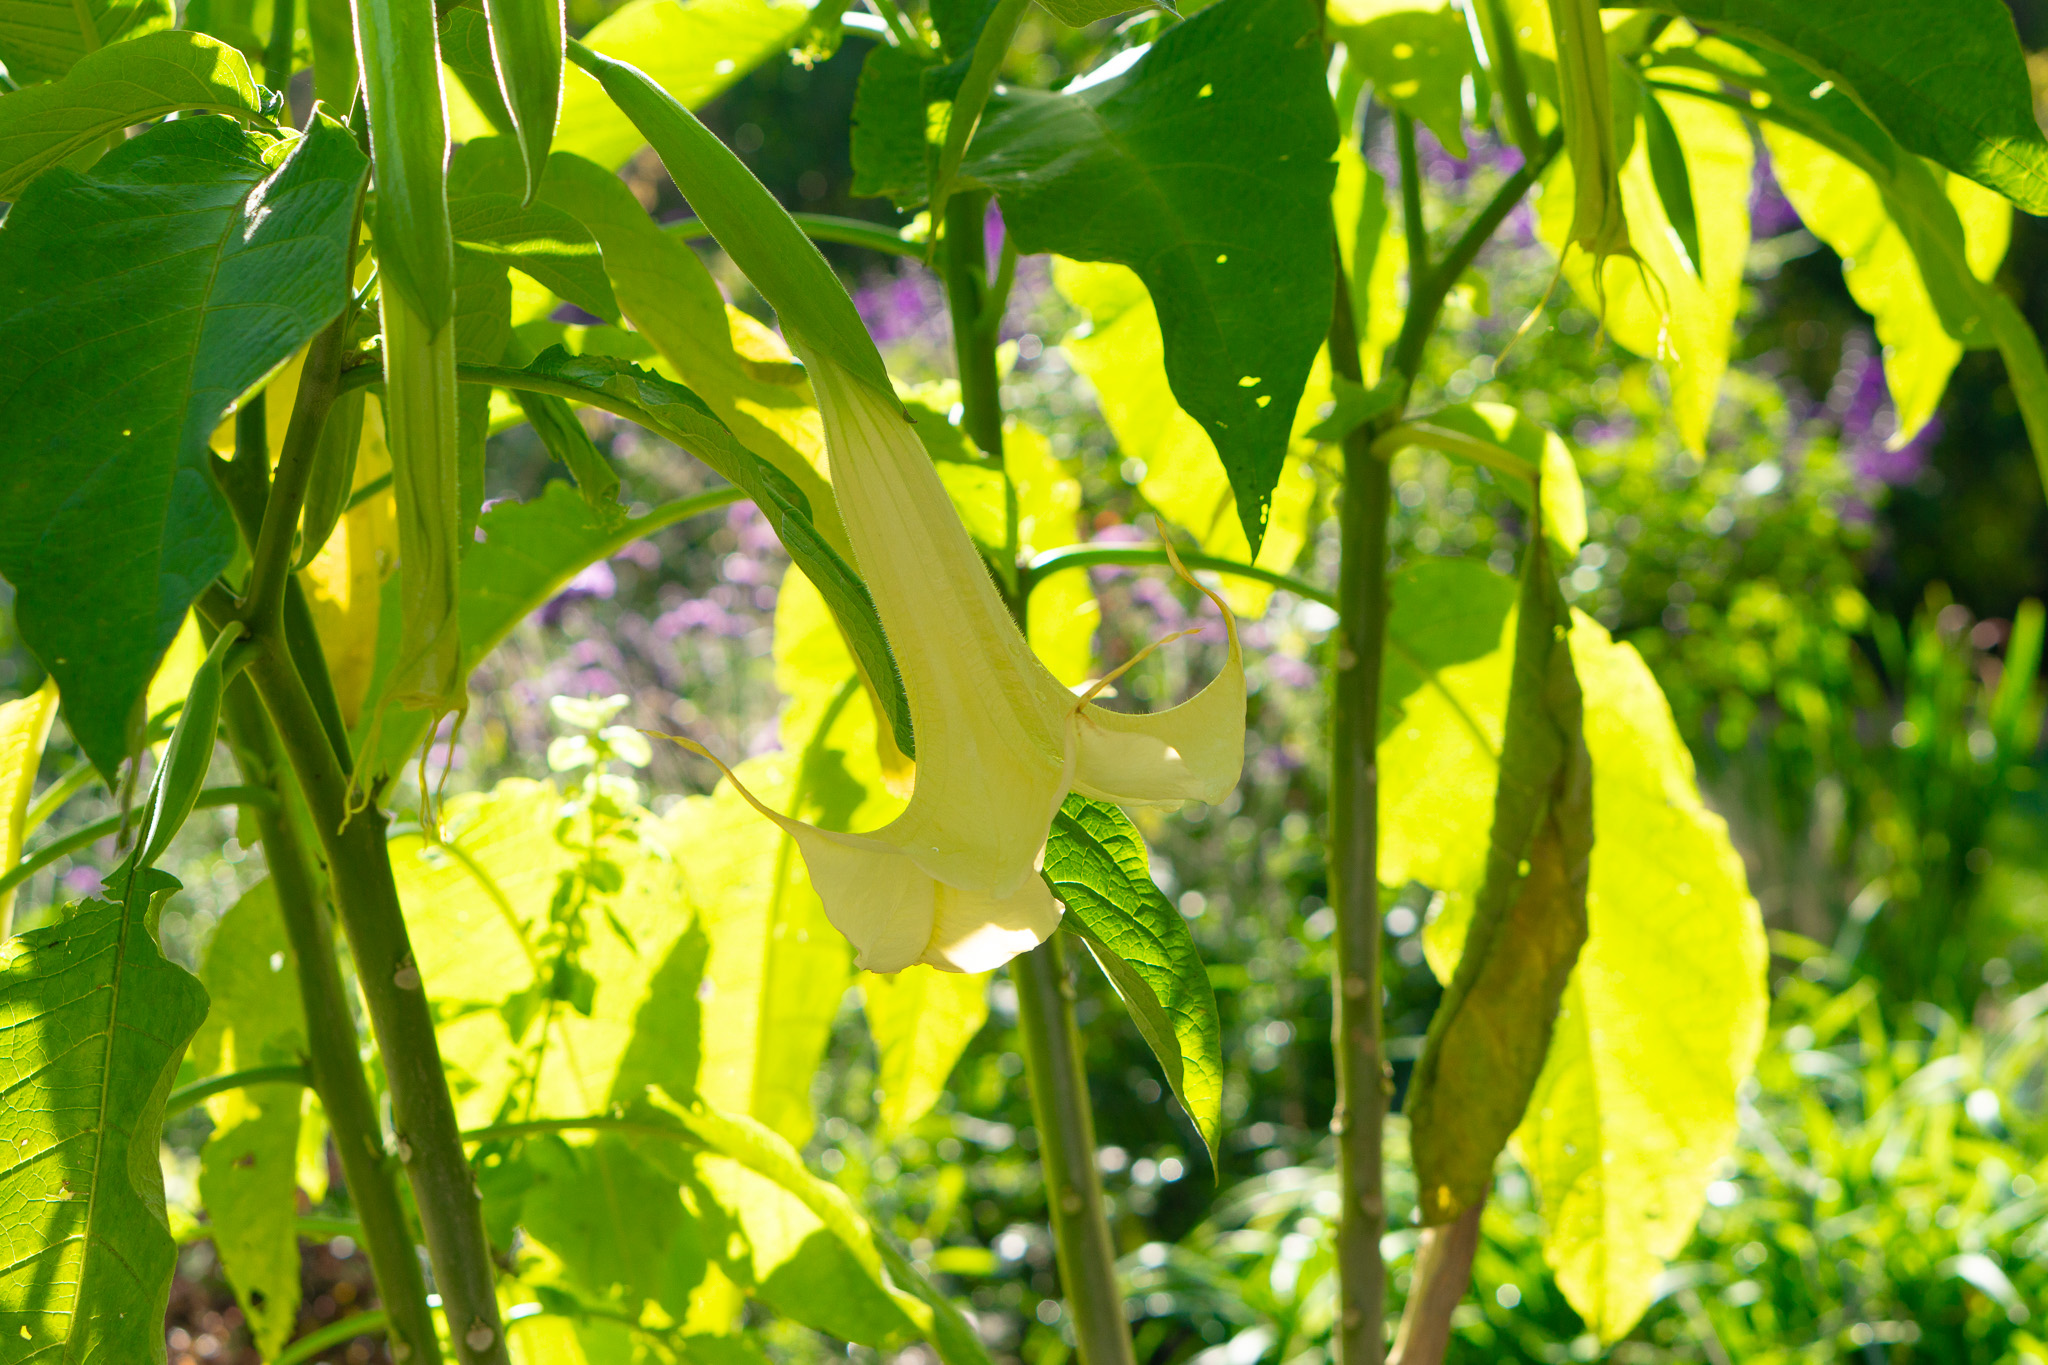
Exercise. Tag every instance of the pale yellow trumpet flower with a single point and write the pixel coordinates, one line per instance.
(952, 880)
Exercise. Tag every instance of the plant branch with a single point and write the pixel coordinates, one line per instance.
(589, 1123)
(1139, 556)
(333, 1334)
(1504, 64)
(974, 352)
(423, 1114)
(1412, 226)
(1066, 1153)
(1426, 293)
(1353, 860)
(199, 1092)
(1443, 1271)
(333, 1067)
(271, 555)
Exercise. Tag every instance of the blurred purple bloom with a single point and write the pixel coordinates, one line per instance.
(899, 306)
(595, 581)
(755, 535)
(82, 881)
(1770, 212)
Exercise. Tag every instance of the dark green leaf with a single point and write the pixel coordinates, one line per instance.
(248, 1169)
(1673, 181)
(1206, 169)
(889, 126)
(93, 1021)
(527, 40)
(116, 88)
(1081, 13)
(1353, 405)
(1417, 61)
(1489, 1037)
(40, 40)
(539, 240)
(1097, 866)
(189, 263)
(1949, 80)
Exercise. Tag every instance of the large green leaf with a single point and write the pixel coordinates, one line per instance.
(1206, 169)
(1097, 866)
(616, 1221)
(1948, 80)
(1418, 61)
(93, 1021)
(1489, 1036)
(40, 40)
(248, 1170)
(527, 40)
(890, 127)
(1665, 1009)
(188, 264)
(118, 87)
(695, 51)
(539, 240)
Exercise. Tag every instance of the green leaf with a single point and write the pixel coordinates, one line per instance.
(119, 87)
(1489, 1036)
(40, 40)
(541, 241)
(1354, 405)
(758, 233)
(466, 50)
(1948, 81)
(890, 126)
(1953, 258)
(807, 1250)
(921, 1020)
(1664, 1012)
(1081, 13)
(694, 51)
(1417, 61)
(1674, 182)
(154, 267)
(1672, 306)
(1206, 169)
(528, 39)
(95, 1020)
(615, 1220)
(248, 1170)
(1097, 866)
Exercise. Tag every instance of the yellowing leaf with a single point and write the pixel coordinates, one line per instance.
(1658, 307)
(1064, 612)
(174, 675)
(921, 1019)
(24, 729)
(1665, 1010)
(1123, 356)
(345, 582)
(1375, 257)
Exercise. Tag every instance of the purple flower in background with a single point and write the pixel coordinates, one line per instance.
(596, 581)
(901, 306)
(1770, 212)
(751, 529)
(1861, 402)
(82, 881)
(700, 615)
(992, 232)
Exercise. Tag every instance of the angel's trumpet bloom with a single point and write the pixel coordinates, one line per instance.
(952, 880)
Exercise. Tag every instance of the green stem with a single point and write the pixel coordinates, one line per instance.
(1139, 556)
(271, 557)
(423, 1113)
(1353, 860)
(199, 1092)
(592, 1123)
(56, 794)
(1504, 65)
(334, 1066)
(974, 352)
(1443, 1271)
(333, 1334)
(277, 54)
(1412, 226)
(1066, 1153)
(49, 853)
(823, 227)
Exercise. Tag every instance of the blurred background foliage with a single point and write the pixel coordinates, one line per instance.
(1843, 631)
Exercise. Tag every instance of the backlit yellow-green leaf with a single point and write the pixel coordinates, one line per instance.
(24, 729)
(921, 1020)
